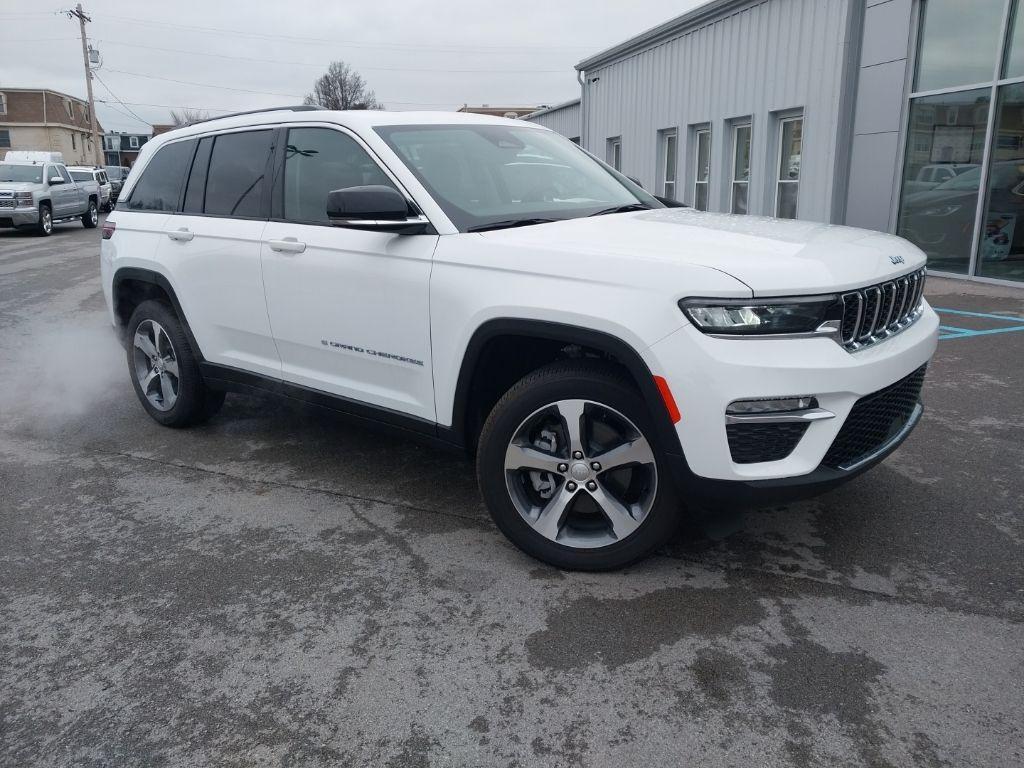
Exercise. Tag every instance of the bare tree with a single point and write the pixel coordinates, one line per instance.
(186, 116)
(342, 88)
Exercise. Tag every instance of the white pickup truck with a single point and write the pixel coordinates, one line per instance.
(37, 191)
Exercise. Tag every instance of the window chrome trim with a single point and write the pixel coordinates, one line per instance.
(782, 417)
(915, 416)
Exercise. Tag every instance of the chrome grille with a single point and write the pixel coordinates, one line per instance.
(872, 314)
(6, 203)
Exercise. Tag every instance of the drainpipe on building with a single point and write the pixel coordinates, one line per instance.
(583, 107)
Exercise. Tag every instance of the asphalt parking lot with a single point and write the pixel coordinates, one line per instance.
(282, 587)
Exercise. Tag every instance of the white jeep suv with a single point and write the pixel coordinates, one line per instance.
(486, 284)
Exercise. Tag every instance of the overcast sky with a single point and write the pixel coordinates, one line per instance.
(416, 54)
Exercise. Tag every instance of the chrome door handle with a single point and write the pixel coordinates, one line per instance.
(288, 245)
(181, 235)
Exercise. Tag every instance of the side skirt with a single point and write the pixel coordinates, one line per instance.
(231, 379)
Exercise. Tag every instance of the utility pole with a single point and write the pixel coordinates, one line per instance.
(79, 14)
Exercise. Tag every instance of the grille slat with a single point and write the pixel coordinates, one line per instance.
(755, 443)
(874, 313)
(874, 420)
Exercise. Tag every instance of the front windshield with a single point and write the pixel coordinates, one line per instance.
(29, 173)
(113, 172)
(485, 175)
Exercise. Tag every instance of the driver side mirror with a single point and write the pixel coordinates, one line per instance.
(56, 180)
(374, 207)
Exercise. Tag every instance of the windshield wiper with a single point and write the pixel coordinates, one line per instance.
(509, 223)
(622, 209)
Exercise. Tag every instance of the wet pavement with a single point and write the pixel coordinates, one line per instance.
(282, 587)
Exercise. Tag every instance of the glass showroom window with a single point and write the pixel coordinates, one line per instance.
(1001, 250)
(740, 168)
(669, 160)
(613, 153)
(957, 46)
(702, 176)
(787, 190)
(942, 176)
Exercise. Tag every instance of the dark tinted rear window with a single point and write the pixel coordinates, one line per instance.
(236, 178)
(81, 175)
(159, 189)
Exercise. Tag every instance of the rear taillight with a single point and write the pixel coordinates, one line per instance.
(108, 229)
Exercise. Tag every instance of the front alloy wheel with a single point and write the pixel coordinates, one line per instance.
(568, 470)
(581, 474)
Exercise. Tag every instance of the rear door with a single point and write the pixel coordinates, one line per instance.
(349, 308)
(212, 247)
(63, 197)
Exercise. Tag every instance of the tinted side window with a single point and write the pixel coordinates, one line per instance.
(196, 189)
(159, 189)
(317, 161)
(236, 178)
(64, 173)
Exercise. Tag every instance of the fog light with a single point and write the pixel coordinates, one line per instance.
(771, 405)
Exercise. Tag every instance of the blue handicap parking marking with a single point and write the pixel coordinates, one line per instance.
(1016, 323)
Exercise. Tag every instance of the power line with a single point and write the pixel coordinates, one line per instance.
(326, 64)
(350, 43)
(205, 85)
(115, 96)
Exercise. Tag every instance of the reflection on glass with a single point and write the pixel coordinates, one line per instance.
(741, 168)
(669, 190)
(1014, 64)
(703, 179)
(958, 44)
(789, 169)
(1001, 252)
(942, 176)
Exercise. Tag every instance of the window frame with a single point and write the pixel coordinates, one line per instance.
(702, 129)
(277, 183)
(613, 147)
(795, 117)
(133, 142)
(3, 103)
(264, 214)
(6, 132)
(737, 126)
(667, 136)
(181, 187)
(74, 146)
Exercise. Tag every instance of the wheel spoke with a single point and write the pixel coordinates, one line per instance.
(171, 366)
(147, 380)
(637, 451)
(525, 457)
(143, 342)
(158, 334)
(549, 522)
(166, 390)
(571, 412)
(621, 518)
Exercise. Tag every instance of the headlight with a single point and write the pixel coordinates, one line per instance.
(24, 198)
(765, 317)
(941, 210)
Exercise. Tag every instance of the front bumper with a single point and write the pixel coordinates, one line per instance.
(706, 374)
(19, 217)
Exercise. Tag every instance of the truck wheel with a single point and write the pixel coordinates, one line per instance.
(164, 370)
(569, 472)
(45, 224)
(92, 216)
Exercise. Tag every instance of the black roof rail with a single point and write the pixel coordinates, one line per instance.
(288, 108)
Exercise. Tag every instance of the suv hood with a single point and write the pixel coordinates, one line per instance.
(773, 257)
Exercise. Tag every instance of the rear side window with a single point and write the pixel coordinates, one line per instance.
(237, 174)
(317, 161)
(195, 191)
(159, 189)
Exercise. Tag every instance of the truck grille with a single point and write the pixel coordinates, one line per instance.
(874, 420)
(754, 443)
(6, 202)
(875, 313)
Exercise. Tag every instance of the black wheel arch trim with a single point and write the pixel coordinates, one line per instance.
(155, 278)
(665, 433)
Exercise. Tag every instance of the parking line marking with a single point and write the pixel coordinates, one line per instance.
(955, 332)
(965, 313)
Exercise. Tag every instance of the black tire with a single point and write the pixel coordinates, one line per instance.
(92, 215)
(44, 227)
(195, 401)
(592, 381)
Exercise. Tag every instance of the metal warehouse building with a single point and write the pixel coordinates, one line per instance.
(904, 116)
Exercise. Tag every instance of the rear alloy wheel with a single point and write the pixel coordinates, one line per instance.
(574, 480)
(165, 372)
(92, 216)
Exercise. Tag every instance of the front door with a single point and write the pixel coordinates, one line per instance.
(63, 197)
(349, 309)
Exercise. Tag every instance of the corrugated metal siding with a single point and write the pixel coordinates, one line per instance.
(767, 58)
(564, 120)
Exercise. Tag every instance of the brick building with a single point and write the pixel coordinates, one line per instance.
(45, 120)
